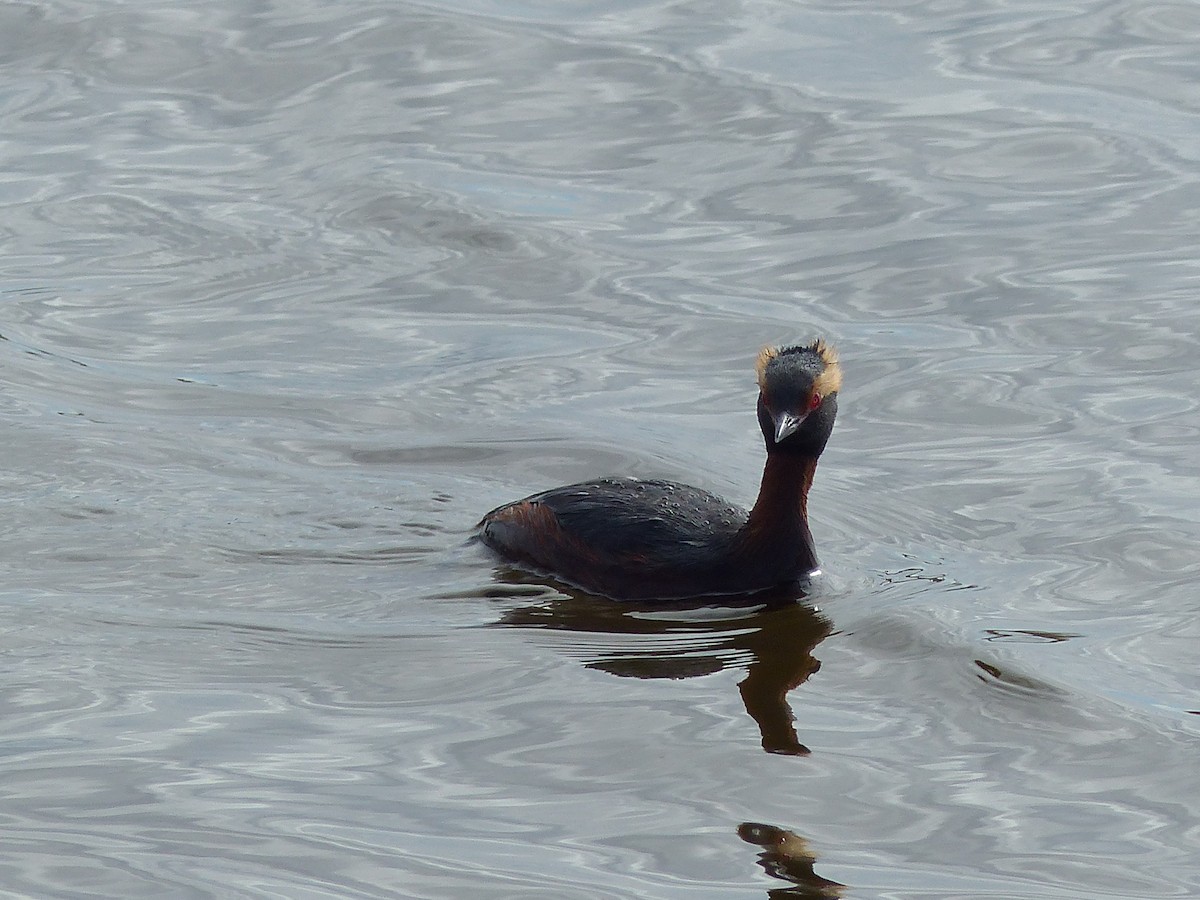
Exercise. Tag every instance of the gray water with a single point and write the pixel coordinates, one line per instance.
(292, 293)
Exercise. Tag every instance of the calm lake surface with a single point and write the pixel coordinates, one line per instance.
(293, 293)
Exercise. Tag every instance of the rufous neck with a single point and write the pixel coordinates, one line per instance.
(780, 514)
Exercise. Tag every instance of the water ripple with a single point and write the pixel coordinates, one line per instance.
(293, 294)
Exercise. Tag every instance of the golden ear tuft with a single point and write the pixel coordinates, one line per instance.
(830, 380)
(826, 351)
(764, 357)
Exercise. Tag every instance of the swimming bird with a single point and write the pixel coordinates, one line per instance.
(634, 539)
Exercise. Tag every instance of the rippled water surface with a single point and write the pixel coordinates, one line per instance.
(293, 292)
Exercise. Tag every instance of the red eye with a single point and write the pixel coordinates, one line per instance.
(813, 402)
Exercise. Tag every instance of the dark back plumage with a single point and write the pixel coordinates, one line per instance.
(628, 538)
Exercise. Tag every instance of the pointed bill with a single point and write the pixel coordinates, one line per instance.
(786, 424)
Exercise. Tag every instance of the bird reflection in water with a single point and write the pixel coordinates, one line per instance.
(786, 856)
(773, 642)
